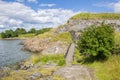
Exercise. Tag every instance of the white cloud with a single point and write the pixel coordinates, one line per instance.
(117, 7)
(113, 5)
(34, 1)
(47, 5)
(14, 14)
(1, 26)
(104, 4)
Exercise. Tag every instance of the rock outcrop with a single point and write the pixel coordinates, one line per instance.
(45, 46)
(75, 26)
(36, 44)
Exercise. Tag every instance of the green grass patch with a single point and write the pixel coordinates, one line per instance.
(56, 77)
(86, 16)
(107, 70)
(29, 35)
(49, 58)
(77, 57)
(64, 37)
(47, 34)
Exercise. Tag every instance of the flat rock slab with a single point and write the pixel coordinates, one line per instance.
(76, 72)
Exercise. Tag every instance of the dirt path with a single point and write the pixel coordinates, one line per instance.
(70, 54)
(74, 72)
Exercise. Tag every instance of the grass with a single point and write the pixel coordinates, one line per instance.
(25, 74)
(49, 58)
(103, 70)
(29, 35)
(64, 37)
(107, 70)
(77, 57)
(47, 71)
(56, 77)
(47, 34)
(86, 16)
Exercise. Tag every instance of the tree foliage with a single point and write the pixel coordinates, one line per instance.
(41, 31)
(20, 31)
(97, 41)
(32, 30)
(8, 34)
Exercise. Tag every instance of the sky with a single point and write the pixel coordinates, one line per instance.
(48, 13)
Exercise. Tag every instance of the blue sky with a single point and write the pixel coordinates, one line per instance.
(48, 13)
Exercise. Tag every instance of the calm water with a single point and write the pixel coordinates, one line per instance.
(10, 52)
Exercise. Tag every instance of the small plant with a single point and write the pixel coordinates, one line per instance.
(97, 42)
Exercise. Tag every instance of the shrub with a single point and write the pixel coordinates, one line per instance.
(97, 41)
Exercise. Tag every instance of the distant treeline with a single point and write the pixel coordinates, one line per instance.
(10, 33)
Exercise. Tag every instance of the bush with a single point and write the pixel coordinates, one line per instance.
(97, 41)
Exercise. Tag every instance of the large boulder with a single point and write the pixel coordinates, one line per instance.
(44, 46)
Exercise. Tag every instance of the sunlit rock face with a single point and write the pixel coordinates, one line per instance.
(44, 46)
(78, 25)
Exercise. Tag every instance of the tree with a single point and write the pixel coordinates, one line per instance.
(20, 31)
(97, 41)
(32, 30)
(8, 34)
(42, 31)
(3, 35)
(23, 31)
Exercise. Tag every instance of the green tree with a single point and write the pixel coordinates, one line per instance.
(41, 31)
(32, 30)
(20, 31)
(3, 35)
(23, 31)
(97, 41)
(8, 34)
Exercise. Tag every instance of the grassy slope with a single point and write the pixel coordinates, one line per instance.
(64, 37)
(108, 70)
(86, 16)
